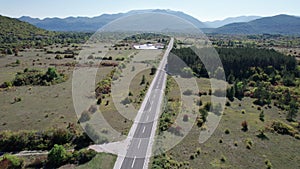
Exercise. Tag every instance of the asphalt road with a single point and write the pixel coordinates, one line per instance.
(140, 148)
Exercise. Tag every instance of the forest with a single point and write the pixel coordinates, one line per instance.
(263, 74)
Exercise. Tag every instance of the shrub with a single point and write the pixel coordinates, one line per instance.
(262, 116)
(204, 114)
(199, 103)
(57, 155)
(6, 84)
(58, 57)
(235, 143)
(143, 81)
(99, 101)
(268, 164)
(192, 157)
(11, 162)
(223, 159)
(153, 70)
(227, 131)
(282, 128)
(244, 125)
(207, 106)
(130, 93)
(262, 135)
(249, 143)
(83, 156)
(228, 104)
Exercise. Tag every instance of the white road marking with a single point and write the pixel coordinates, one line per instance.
(144, 129)
(147, 118)
(139, 144)
(132, 165)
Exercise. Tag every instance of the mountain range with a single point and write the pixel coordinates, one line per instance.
(220, 23)
(86, 24)
(280, 24)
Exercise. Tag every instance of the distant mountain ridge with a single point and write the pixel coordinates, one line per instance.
(279, 24)
(86, 24)
(219, 23)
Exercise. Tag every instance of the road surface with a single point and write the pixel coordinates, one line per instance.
(140, 146)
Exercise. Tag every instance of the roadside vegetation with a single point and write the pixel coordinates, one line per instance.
(261, 116)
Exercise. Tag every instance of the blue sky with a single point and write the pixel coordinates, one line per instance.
(204, 10)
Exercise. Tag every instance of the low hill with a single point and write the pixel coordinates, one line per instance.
(19, 29)
(16, 34)
(280, 24)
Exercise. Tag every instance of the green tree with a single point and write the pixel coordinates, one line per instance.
(153, 70)
(262, 116)
(57, 155)
(293, 110)
(204, 114)
(239, 88)
(230, 93)
(51, 74)
(11, 162)
(143, 80)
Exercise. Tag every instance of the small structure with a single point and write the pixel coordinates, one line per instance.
(148, 46)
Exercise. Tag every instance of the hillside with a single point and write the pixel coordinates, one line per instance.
(19, 29)
(280, 24)
(219, 23)
(86, 24)
(16, 34)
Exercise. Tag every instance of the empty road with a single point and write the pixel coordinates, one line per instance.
(140, 146)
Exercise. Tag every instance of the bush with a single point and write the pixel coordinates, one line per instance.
(262, 116)
(192, 157)
(207, 106)
(11, 162)
(99, 101)
(223, 159)
(268, 164)
(6, 85)
(244, 125)
(227, 131)
(57, 155)
(282, 128)
(249, 143)
(228, 104)
(199, 103)
(58, 57)
(83, 156)
(204, 114)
